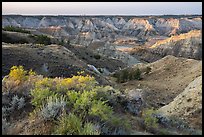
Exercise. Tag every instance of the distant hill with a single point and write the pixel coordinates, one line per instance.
(106, 27)
(188, 45)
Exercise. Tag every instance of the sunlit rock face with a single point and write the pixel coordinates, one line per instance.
(181, 34)
(187, 45)
(108, 27)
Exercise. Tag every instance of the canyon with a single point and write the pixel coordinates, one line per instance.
(166, 49)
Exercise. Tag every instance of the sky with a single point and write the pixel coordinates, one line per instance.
(101, 8)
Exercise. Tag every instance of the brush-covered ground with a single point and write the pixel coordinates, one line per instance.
(63, 95)
(34, 104)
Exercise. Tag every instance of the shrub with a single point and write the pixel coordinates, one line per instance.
(62, 42)
(8, 39)
(76, 83)
(147, 70)
(72, 125)
(97, 56)
(40, 95)
(116, 126)
(15, 29)
(5, 126)
(126, 75)
(17, 73)
(17, 102)
(122, 76)
(99, 108)
(165, 132)
(42, 39)
(133, 106)
(53, 108)
(31, 73)
(149, 119)
(107, 93)
(19, 81)
(68, 125)
(89, 129)
(47, 87)
(178, 123)
(137, 74)
(86, 102)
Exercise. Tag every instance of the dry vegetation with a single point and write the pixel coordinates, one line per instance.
(49, 88)
(75, 106)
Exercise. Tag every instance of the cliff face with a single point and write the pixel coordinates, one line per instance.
(105, 28)
(188, 104)
(187, 45)
(122, 31)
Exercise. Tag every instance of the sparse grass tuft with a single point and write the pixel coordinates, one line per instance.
(149, 120)
(72, 125)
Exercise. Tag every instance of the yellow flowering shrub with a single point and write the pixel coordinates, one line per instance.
(17, 73)
(83, 97)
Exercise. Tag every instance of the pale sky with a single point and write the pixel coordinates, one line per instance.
(101, 8)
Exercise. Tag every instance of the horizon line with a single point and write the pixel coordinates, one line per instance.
(100, 14)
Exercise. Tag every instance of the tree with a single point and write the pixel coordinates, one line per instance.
(147, 70)
(137, 74)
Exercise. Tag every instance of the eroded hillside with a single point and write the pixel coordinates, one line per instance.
(188, 104)
(188, 45)
(84, 30)
(92, 72)
(169, 76)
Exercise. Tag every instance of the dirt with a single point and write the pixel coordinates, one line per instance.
(168, 78)
(87, 55)
(188, 104)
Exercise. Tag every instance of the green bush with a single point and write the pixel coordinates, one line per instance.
(163, 131)
(78, 105)
(127, 74)
(42, 39)
(40, 95)
(15, 29)
(147, 70)
(107, 93)
(87, 101)
(123, 76)
(86, 104)
(6, 38)
(89, 129)
(99, 108)
(97, 56)
(61, 42)
(72, 125)
(137, 74)
(149, 120)
(116, 126)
